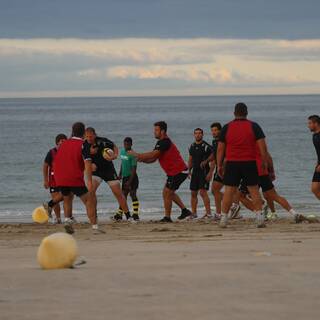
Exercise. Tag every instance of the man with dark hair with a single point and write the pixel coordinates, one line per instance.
(172, 163)
(238, 142)
(71, 161)
(103, 169)
(200, 157)
(217, 183)
(50, 183)
(130, 180)
(314, 126)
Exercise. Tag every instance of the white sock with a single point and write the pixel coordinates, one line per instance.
(95, 227)
(292, 212)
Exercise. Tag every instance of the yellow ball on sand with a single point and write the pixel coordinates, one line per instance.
(40, 215)
(57, 251)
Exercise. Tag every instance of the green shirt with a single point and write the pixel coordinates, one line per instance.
(128, 162)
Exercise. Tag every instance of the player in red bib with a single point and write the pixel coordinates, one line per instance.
(70, 163)
(172, 164)
(49, 180)
(237, 148)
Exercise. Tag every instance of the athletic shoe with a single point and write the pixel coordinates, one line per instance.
(207, 217)
(298, 218)
(234, 211)
(265, 211)
(135, 217)
(166, 219)
(128, 216)
(48, 209)
(98, 231)
(68, 228)
(117, 217)
(70, 220)
(73, 219)
(260, 220)
(184, 214)
(223, 221)
(193, 216)
(217, 217)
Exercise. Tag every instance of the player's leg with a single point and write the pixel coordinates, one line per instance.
(315, 189)
(135, 204)
(194, 202)
(117, 192)
(96, 181)
(217, 194)
(167, 195)
(206, 201)
(231, 180)
(57, 198)
(88, 200)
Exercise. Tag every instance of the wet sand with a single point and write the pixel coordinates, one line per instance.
(156, 271)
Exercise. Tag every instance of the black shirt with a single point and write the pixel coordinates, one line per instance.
(215, 143)
(316, 143)
(200, 152)
(163, 145)
(104, 167)
(49, 157)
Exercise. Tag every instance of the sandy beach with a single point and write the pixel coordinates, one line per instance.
(153, 271)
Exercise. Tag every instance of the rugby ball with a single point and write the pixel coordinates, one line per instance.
(107, 154)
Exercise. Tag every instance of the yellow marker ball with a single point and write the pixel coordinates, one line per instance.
(40, 215)
(57, 251)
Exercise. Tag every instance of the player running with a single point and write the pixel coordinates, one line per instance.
(237, 145)
(314, 126)
(50, 183)
(173, 165)
(103, 169)
(266, 176)
(69, 165)
(130, 180)
(200, 156)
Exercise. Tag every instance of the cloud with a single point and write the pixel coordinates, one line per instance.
(164, 51)
(72, 65)
(177, 72)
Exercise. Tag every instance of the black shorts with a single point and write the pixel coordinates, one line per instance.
(265, 183)
(174, 182)
(237, 171)
(134, 184)
(107, 176)
(78, 191)
(316, 177)
(54, 189)
(198, 181)
(217, 178)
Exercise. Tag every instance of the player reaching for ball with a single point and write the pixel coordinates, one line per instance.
(103, 151)
(172, 163)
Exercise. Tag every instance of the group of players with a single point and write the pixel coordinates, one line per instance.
(238, 160)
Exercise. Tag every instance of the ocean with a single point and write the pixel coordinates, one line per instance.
(28, 128)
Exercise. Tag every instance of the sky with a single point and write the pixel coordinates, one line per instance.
(163, 47)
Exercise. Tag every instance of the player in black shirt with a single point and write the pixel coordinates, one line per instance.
(103, 170)
(314, 126)
(217, 183)
(200, 156)
(49, 181)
